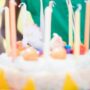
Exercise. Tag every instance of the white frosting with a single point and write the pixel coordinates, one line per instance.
(45, 70)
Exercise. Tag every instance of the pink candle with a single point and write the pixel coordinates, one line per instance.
(87, 26)
(12, 5)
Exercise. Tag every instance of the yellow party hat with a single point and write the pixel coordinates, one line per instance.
(29, 85)
(3, 83)
(70, 84)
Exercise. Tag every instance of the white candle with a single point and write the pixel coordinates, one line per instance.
(24, 23)
(42, 18)
(87, 26)
(70, 22)
(24, 16)
(77, 32)
(12, 5)
(7, 29)
(48, 15)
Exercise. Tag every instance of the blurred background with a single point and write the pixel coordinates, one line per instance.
(59, 17)
(2, 24)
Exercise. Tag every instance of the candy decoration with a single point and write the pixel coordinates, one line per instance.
(40, 52)
(3, 83)
(20, 46)
(56, 42)
(82, 49)
(31, 54)
(58, 53)
(70, 84)
(68, 49)
(29, 85)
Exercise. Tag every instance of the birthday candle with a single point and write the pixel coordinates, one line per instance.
(48, 15)
(7, 29)
(24, 13)
(2, 3)
(77, 32)
(87, 26)
(70, 22)
(12, 5)
(24, 16)
(0, 17)
(42, 18)
(1, 11)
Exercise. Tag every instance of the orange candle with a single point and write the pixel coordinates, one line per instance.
(87, 26)
(12, 5)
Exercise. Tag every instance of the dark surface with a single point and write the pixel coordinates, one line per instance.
(2, 29)
(19, 36)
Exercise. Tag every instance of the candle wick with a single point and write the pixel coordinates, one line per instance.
(79, 7)
(68, 2)
(22, 4)
(51, 4)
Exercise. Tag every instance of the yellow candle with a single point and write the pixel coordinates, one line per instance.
(87, 26)
(77, 32)
(70, 28)
(48, 14)
(7, 29)
(12, 5)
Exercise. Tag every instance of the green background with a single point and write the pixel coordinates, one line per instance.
(59, 16)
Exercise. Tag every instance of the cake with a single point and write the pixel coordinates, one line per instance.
(31, 69)
(45, 73)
